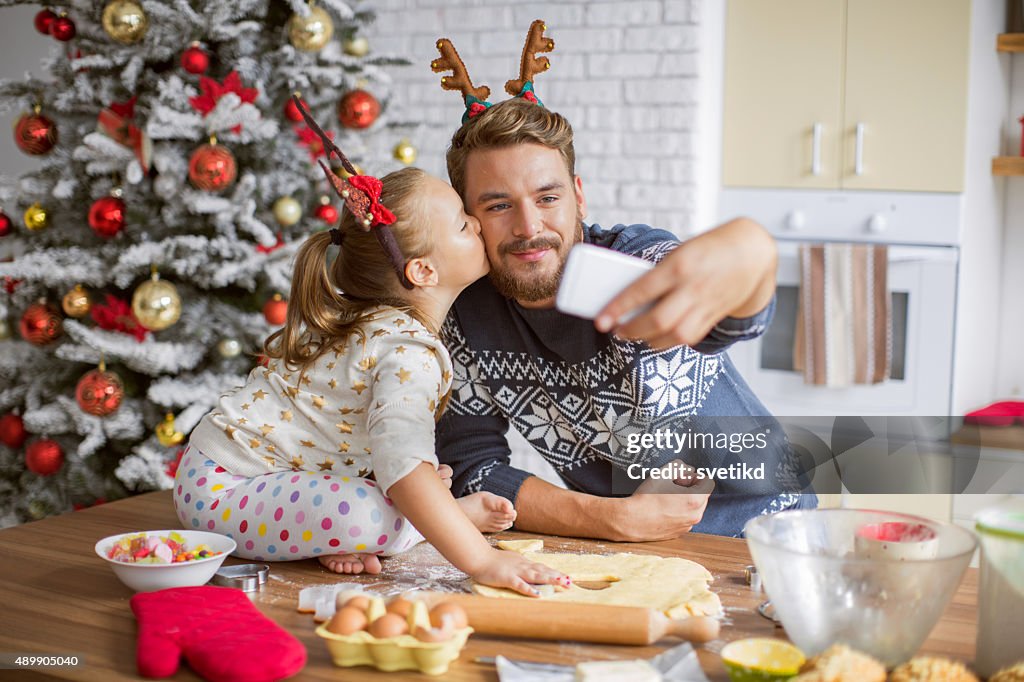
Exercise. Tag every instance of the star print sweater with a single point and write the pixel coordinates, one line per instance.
(582, 398)
(367, 405)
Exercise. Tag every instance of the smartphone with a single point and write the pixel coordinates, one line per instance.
(593, 276)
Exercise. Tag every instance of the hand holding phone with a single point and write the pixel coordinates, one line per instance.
(593, 276)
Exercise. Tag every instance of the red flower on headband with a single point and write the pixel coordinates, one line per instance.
(372, 187)
(476, 108)
(529, 96)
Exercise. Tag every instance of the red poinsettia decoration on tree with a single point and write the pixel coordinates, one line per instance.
(117, 316)
(213, 91)
(313, 143)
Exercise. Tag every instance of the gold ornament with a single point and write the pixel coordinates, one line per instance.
(229, 348)
(357, 46)
(156, 303)
(167, 433)
(76, 302)
(125, 21)
(405, 152)
(36, 217)
(312, 32)
(287, 211)
(345, 175)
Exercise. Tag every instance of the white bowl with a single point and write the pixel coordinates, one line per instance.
(151, 577)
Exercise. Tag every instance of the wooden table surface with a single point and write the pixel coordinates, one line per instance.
(58, 597)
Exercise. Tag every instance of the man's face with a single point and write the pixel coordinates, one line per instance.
(530, 211)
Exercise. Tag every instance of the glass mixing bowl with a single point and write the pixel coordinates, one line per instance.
(876, 581)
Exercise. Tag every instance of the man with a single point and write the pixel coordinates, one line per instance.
(583, 392)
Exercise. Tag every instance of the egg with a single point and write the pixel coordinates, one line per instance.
(347, 620)
(400, 606)
(361, 603)
(433, 635)
(446, 611)
(388, 625)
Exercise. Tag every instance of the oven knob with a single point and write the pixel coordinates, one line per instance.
(796, 220)
(877, 223)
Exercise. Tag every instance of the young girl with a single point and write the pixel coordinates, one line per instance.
(328, 451)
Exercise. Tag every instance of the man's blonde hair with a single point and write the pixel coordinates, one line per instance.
(506, 124)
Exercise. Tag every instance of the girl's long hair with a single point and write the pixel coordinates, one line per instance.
(330, 300)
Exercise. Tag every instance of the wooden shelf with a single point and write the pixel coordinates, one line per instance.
(1008, 165)
(1010, 42)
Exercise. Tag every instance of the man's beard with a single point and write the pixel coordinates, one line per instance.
(529, 285)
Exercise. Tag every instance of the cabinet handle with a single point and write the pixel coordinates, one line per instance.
(816, 150)
(858, 158)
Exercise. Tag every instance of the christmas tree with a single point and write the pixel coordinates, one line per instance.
(154, 244)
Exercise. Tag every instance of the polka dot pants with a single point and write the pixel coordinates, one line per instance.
(291, 515)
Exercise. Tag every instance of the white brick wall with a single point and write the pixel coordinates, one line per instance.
(623, 72)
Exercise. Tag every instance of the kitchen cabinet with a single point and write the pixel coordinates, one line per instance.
(846, 94)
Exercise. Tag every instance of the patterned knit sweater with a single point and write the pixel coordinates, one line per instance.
(580, 398)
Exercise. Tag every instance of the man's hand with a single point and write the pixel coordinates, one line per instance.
(647, 517)
(726, 272)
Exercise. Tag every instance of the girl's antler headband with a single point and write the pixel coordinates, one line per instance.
(361, 194)
(476, 97)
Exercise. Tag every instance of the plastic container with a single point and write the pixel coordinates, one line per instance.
(1001, 588)
(834, 576)
(404, 652)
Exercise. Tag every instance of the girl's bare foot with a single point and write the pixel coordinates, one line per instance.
(351, 563)
(490, 513)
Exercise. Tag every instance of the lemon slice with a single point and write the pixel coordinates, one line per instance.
(761, 659)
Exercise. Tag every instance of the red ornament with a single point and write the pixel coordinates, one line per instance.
(99, 392)
(326, 213)
(43, 21)
(212, 168)
(35, 134)
(63, 29)
(195, 60)
(291, 111)
(106, 216)
(44, 457)
(276, 310)
(12, 431)
(358, 109)
(41, 324)
(6, 226)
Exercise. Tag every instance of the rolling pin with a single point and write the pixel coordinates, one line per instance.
(559, 621)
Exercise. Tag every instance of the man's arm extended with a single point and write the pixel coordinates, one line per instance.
(725, 272)
(545, 508)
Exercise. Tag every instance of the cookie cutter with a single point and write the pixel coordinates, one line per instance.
(246, 577)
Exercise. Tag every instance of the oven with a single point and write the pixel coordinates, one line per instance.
(921, 233)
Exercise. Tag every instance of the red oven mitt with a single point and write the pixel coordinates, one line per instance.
(222, 635)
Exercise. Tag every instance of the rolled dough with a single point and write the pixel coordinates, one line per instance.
(676, 587)
(533, 545)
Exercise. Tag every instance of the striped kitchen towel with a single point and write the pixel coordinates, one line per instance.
(843, 321)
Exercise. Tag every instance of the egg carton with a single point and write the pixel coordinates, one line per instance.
(392, 654)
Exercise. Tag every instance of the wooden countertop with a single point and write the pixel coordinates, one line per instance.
(60, 598)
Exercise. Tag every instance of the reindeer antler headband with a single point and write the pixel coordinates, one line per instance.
(476, 97)
(361, 194)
